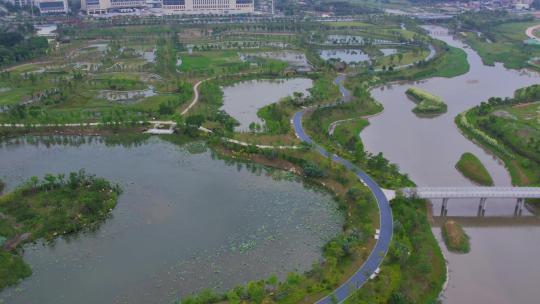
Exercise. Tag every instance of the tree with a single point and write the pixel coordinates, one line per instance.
(50, 181)
(312, 170)
(195, 120)
(256, 291)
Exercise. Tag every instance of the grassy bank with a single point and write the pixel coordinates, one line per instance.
(426, 103)
(43, 209)
(455, 238)
(449, 62)
(414, 270)
(472, 168)
(504, 43)
(509, 128)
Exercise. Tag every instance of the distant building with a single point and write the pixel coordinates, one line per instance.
(208, 6)
(22, 3)
(103, 6)
(171, 6)
(46, 7)
(52, 7)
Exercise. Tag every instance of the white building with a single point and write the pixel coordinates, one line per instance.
(103, 6)
(52, 7)
(208, 6)
(171, 6)
(46, 7)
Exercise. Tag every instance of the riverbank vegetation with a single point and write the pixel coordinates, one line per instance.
(509, 128)
(69, 90)
(471, 167)
(426, 103)
(44, 209)
(448, 62)
(455, 238)
(498, 37)
(348, 144)
(414, 270)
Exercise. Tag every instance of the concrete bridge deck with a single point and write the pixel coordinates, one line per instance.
(472, 192)
(483, 193)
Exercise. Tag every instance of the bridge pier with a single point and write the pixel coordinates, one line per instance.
(482, 206)
(444, 206)
(519, 206)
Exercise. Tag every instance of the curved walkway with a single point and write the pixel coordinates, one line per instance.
(371, 265)
(530, 31)
(195, 96)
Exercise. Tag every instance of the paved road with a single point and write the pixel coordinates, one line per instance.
(378, 253)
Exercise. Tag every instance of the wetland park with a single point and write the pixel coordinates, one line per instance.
(262, 161)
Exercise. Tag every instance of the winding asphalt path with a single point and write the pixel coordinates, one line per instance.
(371, 265)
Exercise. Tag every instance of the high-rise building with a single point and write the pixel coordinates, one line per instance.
(52, 7)
(207, 6)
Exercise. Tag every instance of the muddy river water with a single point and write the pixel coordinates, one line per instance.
(186, 221)
(501, 267)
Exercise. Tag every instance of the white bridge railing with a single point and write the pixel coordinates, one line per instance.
(472, 192)
(483, 193)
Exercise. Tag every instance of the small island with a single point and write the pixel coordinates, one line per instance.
(455, 238)
(426, 103)
(43, 209)
(471, 167)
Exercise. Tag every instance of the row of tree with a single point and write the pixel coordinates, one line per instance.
(15, 47)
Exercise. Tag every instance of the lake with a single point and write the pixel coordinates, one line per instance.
(187, 220)
(242, 100)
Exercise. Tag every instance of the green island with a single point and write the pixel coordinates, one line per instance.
(472, 168)
(427, 103)
(44, 209)
(509, 128)
(455, 238)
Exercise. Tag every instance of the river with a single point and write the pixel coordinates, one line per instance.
(186, 221)
(501, 267)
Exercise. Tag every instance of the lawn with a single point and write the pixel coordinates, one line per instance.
(210, 61)
(408, 57)
(10, 96)
(450, 62)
